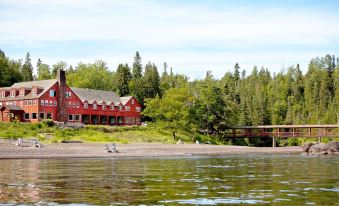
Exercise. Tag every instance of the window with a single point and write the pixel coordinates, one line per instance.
(46, 102)
(127, 120)
(49, 116)
(77, 117)
(34, 102)
(69, 104)
(34, 116)
(52, 93)
(132, 101)
(103, 106)
(137, 109)
(112, 107)
(127, 108)
(73, 104)
(34, 91)
(85, 105)
(26, 116)
(120, 108)
(78, 105)
(22, 92)
(42, 102)
(3, 95)
(41, 115)
(94, 106)
(26, 103)
(51, 103)
(12, 93)
(30, 103)
(68, 94)
(137, 120)
(70, 117)
(55, 103)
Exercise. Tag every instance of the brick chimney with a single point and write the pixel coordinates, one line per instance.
(62, 104)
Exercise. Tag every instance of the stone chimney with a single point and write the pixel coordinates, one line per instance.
(62, 103)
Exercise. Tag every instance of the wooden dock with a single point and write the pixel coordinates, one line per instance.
(286, 131)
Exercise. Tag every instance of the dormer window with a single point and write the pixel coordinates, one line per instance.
(13, 93)
(120, 107)
(34, 91)
(132, 101)
(22, 92)
(112, 107)
(3, 95)
(52, 93)
(85, 105)
(95, 106)
(103, 107)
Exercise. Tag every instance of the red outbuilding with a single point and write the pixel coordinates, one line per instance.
(54, 99)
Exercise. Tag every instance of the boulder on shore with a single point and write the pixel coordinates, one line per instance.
(320, 148)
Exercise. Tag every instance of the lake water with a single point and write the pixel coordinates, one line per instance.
(237, 180)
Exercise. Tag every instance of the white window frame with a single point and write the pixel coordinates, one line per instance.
(95, 106)
(34, 91)
(42, 102)
(112, 107)
(55, 103)
(132, 101)
(138, 109)
(46, 103)
(3, 94)
(85, 105)
(50, 103)
(34, 102)
(103, 107)
(22, 92)
(13, 93)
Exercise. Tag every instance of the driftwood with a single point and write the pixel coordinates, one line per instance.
(320, 148)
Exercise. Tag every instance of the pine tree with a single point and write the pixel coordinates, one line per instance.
(27, 69)
(151, 81)
(123, 78)
(137, 67)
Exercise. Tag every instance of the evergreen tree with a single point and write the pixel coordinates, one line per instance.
(27, 69)
(151, 81)
(137, 67)
(123, 78)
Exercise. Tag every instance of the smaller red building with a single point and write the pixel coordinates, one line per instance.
(54, 99)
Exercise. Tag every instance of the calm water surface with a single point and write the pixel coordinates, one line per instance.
(238, 180)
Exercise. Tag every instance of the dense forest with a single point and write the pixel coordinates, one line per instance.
(173, 102)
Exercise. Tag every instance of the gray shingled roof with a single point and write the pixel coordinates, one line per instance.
(43, 84)
(124, 100)
(12, 107)
(99, 96)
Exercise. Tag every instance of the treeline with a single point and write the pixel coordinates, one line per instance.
(208, 105)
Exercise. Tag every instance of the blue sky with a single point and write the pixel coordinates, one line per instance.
(192, 36)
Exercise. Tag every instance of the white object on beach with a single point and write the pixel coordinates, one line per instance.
(196, 142)
(179, 142)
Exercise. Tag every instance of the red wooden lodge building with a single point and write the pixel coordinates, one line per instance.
(53, 99)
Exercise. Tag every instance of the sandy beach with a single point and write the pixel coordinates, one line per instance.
(98, 150)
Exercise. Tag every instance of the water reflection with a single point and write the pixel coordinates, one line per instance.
(262, 179)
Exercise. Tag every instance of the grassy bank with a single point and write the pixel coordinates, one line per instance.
(47, 133)
(128, 134)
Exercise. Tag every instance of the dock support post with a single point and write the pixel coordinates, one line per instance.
(273, 142)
